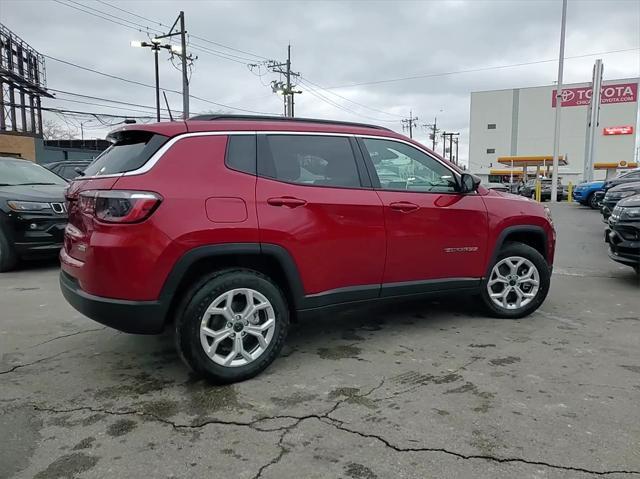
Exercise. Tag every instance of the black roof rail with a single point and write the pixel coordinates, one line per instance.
(213, 117)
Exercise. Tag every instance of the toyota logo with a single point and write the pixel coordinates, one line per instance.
(567, 95)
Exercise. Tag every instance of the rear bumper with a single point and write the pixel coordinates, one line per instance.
(137, 317)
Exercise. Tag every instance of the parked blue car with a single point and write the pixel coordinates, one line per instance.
(584, 193)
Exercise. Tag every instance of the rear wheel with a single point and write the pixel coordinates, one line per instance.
(518, 282)
(8, 256)
(233, 325)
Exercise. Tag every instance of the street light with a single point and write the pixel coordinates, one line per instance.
(156, 45)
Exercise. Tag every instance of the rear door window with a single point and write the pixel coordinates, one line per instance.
(316, 160)
(131, 149)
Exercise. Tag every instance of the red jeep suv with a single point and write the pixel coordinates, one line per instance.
(228, 226)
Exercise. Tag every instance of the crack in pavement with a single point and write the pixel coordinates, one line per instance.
(66, 336)
(340, 425)
(283, 451)
(326, 418)
(18, 366)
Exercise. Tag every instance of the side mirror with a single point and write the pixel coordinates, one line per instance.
(469, 183)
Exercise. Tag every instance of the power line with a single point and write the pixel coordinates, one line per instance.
(146, 29)
(227, 56)
(102, 105)
(474, 70)
(91, 113)
(112, 15)
(102, 17)
(329, 101)
(351, 101)
(103, 99)
(135, 82)
(191, 34)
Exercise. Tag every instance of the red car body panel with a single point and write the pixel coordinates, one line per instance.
(444, 237)
(507, 210)
(337, 239)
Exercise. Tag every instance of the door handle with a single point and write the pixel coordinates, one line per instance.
(404, 206)
(286, 201)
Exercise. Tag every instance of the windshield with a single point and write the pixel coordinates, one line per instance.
(23, 172)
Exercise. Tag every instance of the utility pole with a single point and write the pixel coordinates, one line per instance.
(409, 123)
(433, 127)
(185, 74)
(156, 49)
(155, 45)
(450, 135)
(457, 139)
(289, 97)
(286, 89)
(444, 144)
(556, 136)
(185, 59)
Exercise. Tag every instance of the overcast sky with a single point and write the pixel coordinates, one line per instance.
(334, 44)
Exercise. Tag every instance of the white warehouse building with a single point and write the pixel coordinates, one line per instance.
(512, 128)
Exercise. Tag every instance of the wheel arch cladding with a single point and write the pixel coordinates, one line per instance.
(271, 260)
(531, 235)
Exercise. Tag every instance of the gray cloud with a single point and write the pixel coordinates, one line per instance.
(336, 43)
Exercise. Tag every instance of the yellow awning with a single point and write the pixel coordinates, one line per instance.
(531, 160)
(506, 172)
(622, 165)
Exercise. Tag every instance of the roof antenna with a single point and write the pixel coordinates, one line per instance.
(167, 102)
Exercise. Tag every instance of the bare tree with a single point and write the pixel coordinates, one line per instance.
(52, 130)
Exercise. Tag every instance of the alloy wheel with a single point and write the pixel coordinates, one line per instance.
(237, 327)
(514, 282)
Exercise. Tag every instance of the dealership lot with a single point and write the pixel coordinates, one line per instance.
(426, 389)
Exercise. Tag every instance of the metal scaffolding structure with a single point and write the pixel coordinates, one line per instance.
(22, 84)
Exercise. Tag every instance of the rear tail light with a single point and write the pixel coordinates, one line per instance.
(119, 206)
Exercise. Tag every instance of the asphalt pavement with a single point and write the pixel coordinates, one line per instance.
(417, 390)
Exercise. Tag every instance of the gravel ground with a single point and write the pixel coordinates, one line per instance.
(421, 389)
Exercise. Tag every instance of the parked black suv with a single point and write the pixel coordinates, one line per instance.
(628, 177)
(32, 211)
(614, 195)
(623, 234)
(68, 169)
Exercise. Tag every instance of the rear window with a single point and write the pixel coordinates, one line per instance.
(241, 153)
(130, 150)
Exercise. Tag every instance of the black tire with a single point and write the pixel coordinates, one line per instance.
(592, 201)
(197, 300)
(8, 256)
(524, 251)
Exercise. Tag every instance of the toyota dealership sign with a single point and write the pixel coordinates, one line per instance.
(618, 130)
(581, 96)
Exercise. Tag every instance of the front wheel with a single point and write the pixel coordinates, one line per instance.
(233, 325)
(518, 282)
(592, 202)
